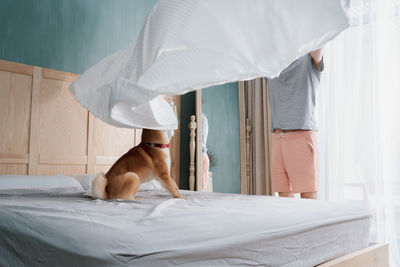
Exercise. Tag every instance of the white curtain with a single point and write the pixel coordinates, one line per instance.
(359, 118)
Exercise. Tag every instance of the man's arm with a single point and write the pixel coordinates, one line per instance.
(316, 56)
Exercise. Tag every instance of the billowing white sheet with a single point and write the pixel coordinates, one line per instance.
(204, 229)
(192, 44)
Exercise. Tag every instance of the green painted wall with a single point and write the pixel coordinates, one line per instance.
(222, 110)
(68, 35)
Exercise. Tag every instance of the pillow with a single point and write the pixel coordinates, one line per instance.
(26, 185)
(86, 182)
(150, 185)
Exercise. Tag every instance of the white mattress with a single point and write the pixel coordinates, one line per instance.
(204, 229)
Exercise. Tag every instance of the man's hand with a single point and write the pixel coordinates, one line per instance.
(316, 56)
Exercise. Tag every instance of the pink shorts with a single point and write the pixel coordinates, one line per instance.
(295, 162)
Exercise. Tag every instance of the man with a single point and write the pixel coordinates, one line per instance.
(204, 155)
(292, 97)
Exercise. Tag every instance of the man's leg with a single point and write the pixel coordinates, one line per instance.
(310, 195)
(206, 166)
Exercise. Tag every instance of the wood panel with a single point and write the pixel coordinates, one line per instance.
(45, 131)
(65, 169)
(13, 67)
(15, 111)
(21, 169)
(374, 256)
(110, 143)
(16, 158)
(110, 140)
(35, 122)
(63, 127)
(90, 168)
(62, 121)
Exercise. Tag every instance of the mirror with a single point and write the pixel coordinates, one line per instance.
(220, 139)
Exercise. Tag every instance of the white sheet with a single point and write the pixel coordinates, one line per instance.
(204, 229)
(192, 44)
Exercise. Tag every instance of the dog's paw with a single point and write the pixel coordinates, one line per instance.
(138, 198)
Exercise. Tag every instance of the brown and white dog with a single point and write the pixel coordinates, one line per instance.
(144, 162)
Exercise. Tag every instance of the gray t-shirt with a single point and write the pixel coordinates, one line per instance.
(292, 95)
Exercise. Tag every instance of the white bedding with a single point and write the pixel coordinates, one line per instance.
(204, 229)
(192, 44)
(29, 184)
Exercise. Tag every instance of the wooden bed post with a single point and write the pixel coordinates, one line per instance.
(192, 146)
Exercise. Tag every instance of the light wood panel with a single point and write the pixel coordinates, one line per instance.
(15, 110)
(45, 131)
(13, 67)
(374, 256)
(68, 125)
(65, 169)
(110, 143)
(35, 122)
(91, 160)
(16, 158)
(20, 169)
(15, 105)
(59, 75)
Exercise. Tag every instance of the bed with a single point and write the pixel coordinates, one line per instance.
(44, 131)
(203, 229)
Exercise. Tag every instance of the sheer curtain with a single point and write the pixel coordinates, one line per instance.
(359, 118)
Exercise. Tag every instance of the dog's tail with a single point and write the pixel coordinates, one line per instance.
(99, 186)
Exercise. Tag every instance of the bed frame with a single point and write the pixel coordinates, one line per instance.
(45, 131)
(376, 255)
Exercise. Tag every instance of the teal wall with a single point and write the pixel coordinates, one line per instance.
(68, 35)
(222, 110)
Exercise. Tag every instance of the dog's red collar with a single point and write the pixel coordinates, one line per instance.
(157, 145)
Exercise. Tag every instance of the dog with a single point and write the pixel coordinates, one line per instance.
(144, 162)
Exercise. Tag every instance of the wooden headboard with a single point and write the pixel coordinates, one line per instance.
(45, 131)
